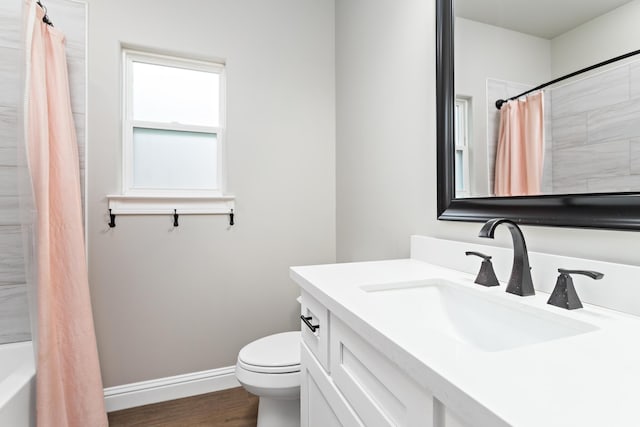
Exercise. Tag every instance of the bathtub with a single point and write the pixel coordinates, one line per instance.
(17, 385)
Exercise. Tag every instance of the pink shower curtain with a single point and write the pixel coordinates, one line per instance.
(69, 387)
(520, 153)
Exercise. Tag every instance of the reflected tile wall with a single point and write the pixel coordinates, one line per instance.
(569, 131)
(573, 166)
(70, 18)
(634, 80)
(634, 157)
(596, 132)
(592, 93)
(620, 183)
(546, 186)
(614, 122)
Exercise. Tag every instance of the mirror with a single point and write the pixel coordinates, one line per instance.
(504, 48)
(566, 155)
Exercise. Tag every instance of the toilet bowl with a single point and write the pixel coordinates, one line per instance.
(270, 368)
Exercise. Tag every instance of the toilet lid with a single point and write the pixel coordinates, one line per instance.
(272, 354)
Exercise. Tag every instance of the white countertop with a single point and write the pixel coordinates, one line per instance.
(590, 379)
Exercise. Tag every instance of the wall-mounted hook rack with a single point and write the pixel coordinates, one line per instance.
(170, 205)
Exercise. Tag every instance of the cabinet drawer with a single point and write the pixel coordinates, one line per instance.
(375, 387)
(317, 341)
(322, 405)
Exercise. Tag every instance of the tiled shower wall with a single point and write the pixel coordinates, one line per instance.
(69, 17)
(596, 132)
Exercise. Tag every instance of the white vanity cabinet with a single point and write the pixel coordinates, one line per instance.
(416, 342)
(347, 382)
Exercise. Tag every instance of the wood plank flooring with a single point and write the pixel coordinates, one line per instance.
(227, 408)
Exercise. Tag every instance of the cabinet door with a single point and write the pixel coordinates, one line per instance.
(320, 413)
(321, 403)
(373, 385)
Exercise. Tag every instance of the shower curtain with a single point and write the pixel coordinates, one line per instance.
(69, 387)
(520, 152)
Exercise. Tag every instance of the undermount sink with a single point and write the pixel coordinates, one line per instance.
(471, 315)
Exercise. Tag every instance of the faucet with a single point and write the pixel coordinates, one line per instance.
(520, 282)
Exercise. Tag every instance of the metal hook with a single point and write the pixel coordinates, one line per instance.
(45, 18)
(112, 219)
(231, 215)
(175, 218)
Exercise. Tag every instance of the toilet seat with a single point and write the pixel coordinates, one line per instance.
(274, 354)
(269, 369)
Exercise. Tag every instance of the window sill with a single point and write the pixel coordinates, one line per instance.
(162, 205)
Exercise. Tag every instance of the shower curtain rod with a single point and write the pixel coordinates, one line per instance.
(500, 102)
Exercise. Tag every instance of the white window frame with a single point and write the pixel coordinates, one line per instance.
(463, 131)
(128, 124)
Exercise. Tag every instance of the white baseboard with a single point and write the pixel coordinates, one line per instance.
(169, 388)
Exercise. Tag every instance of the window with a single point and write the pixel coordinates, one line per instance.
(173, 126)
(462, 147)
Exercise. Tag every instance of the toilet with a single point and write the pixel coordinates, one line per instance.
(270, 368)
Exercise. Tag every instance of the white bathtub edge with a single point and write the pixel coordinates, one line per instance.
(17, 385)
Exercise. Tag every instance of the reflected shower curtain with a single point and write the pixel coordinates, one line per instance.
(69, 387)
(520, 152)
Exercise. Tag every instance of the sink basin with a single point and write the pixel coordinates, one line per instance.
(475, 316)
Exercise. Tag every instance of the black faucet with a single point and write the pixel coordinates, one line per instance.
(520, 282)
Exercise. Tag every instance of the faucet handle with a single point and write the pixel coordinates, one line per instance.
(486, 275)
(593, 274)
(564, 295)
(478, 254)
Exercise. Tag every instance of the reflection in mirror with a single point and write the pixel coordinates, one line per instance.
(579, 135)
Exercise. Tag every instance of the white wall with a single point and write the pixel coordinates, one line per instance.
(170, 301)
(386, 169)
(385, 121)
(488, 52)
(607, 36)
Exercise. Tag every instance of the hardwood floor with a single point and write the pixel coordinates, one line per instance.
(227, 408)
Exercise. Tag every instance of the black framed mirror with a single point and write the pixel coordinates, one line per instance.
(605, 210)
